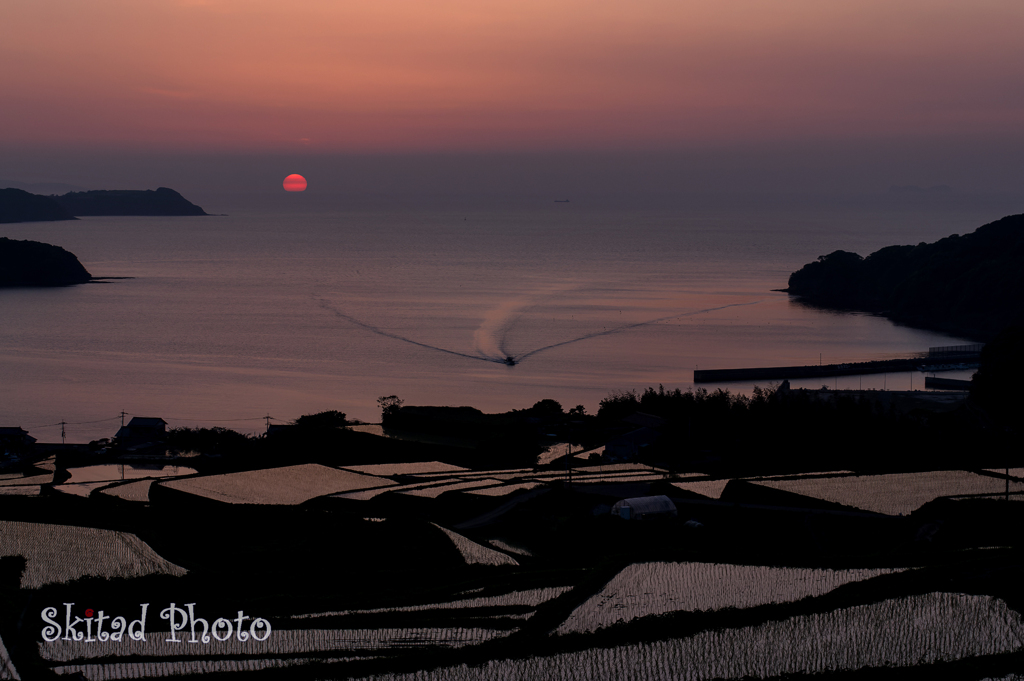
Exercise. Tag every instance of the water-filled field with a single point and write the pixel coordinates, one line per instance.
(286, 486)
(645, 589)
(894, 633)
(896, 494)
(62, 553)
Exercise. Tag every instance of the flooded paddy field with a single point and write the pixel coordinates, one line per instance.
(434, 570)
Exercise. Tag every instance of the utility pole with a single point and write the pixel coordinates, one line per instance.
(62, 440)
(568, 471)
(122, 418)
(267, 418)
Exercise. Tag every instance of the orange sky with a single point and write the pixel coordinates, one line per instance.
(411, 75)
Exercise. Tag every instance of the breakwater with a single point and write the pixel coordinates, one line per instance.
(887, 366)
(946, 383)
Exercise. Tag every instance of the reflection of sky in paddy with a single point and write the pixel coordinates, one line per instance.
(117, 471)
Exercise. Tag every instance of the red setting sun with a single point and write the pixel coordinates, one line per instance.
(295, 183)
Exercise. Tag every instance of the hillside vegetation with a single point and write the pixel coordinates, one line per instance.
(162, 201)
(17, 205)
(970, 285)
(32, 263)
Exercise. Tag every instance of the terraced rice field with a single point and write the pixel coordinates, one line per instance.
(642, 477)
(1014, 472)
(417, 468)
(505, 546)
(7, 670)
(280, 642)
(905, 632)
(81, 489)
(367, 494)
(622, 468)
(559, 450)
(644, 589)
(110, 472)
(504, 489)
(17, 479)
(145, 670)
(476, 554)
(530, 598)
(802, 475)
(61, 553)
(276, 486)
(131, 491)
(20, 490)
(364, 494)
(485, 483)
(435, 491)
(895, 494)
(585, 456)
(1013, 496)
(712, 489)
(501, 474)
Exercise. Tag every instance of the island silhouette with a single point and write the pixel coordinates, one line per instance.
(33, 263)
(968, 285)
(17, 205)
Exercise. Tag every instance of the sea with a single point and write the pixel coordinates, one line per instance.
(275, 309)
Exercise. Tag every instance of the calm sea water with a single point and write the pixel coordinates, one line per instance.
(229, 319)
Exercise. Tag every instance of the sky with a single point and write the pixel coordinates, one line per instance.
(759, 94)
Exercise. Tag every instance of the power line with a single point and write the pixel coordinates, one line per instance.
(69, 423)
(255, 418)
(166, 418)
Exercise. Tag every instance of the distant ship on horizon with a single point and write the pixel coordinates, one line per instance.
(561, 200)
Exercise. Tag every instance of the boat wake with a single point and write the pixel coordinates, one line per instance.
(388, 334)
(491, 337)
(497, 324)
(627, 327)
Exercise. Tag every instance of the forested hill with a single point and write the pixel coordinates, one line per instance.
(17, 205)
(162, 201)
(32, 263)
(970, 285)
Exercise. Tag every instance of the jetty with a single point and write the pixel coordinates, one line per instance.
(948, 358)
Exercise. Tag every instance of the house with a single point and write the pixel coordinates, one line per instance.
(627, 447)
(642, 420)
(142, 431)
(15, 441)
(639, 508)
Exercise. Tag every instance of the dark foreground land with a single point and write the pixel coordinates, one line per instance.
(841, 542)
